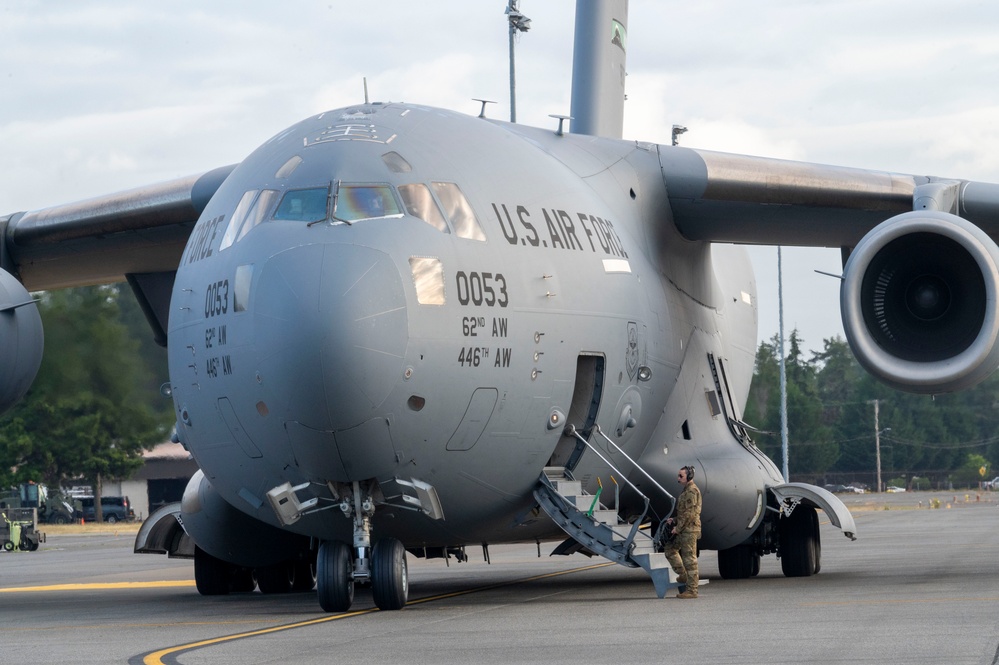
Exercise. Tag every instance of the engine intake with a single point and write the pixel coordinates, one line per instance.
(919, 301)
(21, 340)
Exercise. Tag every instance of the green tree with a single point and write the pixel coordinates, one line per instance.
(929, 435)
(88, 414)
(811, 446)
(969, 473)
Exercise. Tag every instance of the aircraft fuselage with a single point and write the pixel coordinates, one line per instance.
(398, 292)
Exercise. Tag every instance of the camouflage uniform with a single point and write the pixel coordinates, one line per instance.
(681, 552)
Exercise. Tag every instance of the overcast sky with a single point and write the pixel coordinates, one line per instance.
(102, 96)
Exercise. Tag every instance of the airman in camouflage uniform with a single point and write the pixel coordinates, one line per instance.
(681, 552)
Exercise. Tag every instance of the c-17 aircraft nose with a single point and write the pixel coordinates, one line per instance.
(331, 332)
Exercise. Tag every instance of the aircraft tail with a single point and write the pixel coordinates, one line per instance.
(598, 67)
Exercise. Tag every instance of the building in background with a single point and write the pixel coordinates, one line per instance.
(161, 479)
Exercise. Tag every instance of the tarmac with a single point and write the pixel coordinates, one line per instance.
(920, 585)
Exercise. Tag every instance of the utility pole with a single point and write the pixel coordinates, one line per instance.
(877, 444)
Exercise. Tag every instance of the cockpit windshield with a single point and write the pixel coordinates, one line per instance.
(357, 202)
(304, 205)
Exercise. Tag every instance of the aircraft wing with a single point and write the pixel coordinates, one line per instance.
(724, 197)
(102, 240)
(920, 292)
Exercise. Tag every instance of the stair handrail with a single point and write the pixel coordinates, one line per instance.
(571, 430)
(635, 464)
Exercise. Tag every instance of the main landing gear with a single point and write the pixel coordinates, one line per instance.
(800, 546)
(215, 577)
(795, 538)
(339, 566)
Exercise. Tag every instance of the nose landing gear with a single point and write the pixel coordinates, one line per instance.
(339, 566)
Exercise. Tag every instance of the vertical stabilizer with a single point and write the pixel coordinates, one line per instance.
(598, 67)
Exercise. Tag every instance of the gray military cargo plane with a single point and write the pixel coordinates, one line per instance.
(378, 346)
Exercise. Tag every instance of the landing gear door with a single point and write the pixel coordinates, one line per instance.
(789, 495)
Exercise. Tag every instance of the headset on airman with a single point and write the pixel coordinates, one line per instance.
(690, 472)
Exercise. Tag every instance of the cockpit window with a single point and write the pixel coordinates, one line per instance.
(420, 203)
(250, 211)
(259, 211)
(237, 217)
(396, 162)
(304, 205)
(459, 211)
(357, 202)
(288, 167)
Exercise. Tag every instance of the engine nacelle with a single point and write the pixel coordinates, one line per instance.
(21, 340)
(919, 302)
(231, 535)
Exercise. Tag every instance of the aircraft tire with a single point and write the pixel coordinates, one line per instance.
(243, 581)
(335, 576)
(277, 578)
(389, 575)
(738, 563)
(798, 542)
(212, 577)
(305, 576)
(817, 551)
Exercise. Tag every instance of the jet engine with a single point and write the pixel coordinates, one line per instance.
(20, 340)
(919, 302)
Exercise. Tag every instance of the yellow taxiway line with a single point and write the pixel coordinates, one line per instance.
(99, 585)
(156, 657)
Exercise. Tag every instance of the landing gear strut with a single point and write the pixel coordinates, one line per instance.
(383, 566)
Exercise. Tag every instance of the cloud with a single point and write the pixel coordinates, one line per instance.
(102, 96)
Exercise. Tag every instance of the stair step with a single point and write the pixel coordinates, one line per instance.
(568, 487)
(621, 531)
(555, 472)
(606, 517)
(601, 533)
(644, 548)
(655, 562)
(642, 536)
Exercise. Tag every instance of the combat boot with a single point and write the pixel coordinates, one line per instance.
(687, 594)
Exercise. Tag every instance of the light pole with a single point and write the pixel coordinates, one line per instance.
(518, 23)
(782, 367)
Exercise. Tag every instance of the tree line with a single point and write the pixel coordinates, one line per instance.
(938, 440)
(95, 404)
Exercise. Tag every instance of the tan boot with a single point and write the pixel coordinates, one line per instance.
(687, 594)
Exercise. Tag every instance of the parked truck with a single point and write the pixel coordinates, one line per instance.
(51, 507)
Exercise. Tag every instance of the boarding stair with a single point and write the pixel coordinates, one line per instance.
(596, 529)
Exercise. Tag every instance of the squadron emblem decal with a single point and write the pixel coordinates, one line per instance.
(632, 352)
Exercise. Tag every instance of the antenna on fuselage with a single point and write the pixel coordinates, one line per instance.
(482, 111)
(365, 79)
